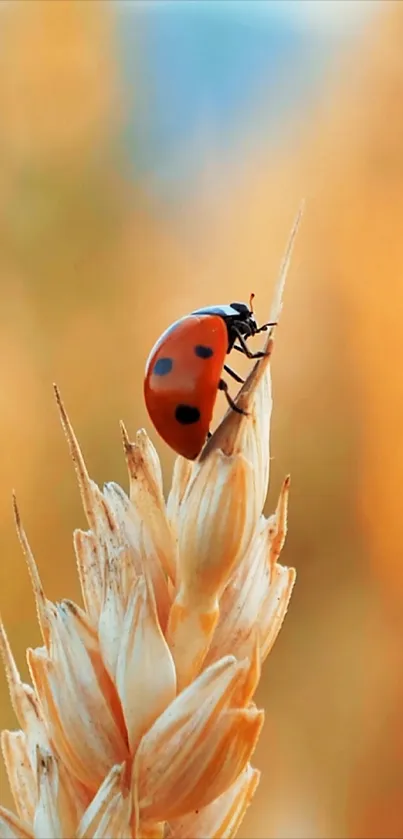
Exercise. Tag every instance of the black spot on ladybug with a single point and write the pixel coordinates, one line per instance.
(202, 351)
(187, 414)
(162, 367)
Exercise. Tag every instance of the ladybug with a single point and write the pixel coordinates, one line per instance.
(184, 372)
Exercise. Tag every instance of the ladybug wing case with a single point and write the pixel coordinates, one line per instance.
(182, 376)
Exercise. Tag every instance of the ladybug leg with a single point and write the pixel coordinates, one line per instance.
(234, 375)
(266, 326)
(222, 385)
(245, 349)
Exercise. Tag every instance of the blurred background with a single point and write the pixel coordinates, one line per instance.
(152, 159)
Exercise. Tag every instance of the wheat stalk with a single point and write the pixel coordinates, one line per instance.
(141, 720)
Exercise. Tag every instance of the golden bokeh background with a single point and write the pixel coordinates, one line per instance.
(93, 266)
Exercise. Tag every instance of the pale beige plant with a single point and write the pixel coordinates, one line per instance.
(141, 720)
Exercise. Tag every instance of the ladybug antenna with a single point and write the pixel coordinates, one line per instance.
(265, 326)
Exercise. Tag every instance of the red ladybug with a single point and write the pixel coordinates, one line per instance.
(184, 372)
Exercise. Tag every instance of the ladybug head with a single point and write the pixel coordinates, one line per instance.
(246, 320)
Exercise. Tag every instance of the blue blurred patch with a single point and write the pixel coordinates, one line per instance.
(190, 66)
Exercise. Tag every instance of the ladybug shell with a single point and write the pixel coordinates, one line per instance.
(181, 380)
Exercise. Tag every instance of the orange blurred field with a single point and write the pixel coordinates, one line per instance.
(92, 270)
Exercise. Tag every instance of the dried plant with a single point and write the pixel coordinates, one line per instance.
(141, 720)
